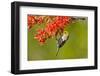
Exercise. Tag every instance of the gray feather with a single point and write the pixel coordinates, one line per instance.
(60, 43)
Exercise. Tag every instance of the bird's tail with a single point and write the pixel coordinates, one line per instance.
(57, 51)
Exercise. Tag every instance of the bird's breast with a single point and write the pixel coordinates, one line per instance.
(64, 38)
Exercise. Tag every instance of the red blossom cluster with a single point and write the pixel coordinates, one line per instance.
(41, 36)
(52, 29)
(34, 20)
(31, 21)
(57, 25)
(39, 20)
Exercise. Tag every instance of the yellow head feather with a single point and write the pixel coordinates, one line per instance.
(66, 33)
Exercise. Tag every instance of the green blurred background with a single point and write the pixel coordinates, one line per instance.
(75, 48)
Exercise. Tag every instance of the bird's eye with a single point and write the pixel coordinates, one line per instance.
(65, 32)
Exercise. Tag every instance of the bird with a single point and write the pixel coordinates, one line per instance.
(62, 40)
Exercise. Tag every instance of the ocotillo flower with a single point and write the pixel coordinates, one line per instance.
(31, 21)
(53, 28)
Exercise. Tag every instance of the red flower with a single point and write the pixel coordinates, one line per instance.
(59, 23)
(41, 36)
(39, 20)
(53, 28)
(31, 21)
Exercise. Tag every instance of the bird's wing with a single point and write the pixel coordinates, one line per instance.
(61, 42)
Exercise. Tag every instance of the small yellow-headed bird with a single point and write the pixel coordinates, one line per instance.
(62, 40)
